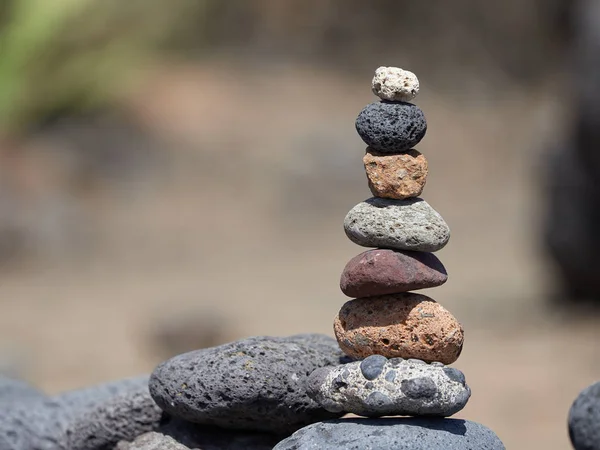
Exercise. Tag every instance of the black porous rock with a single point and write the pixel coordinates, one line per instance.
(208, 437)
(584, 419)
(253, 384)
(396, 434)
(391, 127)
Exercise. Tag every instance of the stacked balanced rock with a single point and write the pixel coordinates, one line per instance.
(402, 341)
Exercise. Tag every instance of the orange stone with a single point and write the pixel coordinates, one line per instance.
(403, 325)
(398, 176)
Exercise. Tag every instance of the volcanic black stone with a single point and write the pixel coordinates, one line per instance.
(584, 419)
(372, 366)
(419, 387)
(253, 384)
(396, 434)
(391, 127)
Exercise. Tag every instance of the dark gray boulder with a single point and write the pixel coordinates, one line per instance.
(253, 384)
(584, 419)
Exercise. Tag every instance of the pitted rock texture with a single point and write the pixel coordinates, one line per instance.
(397, 224)
(13, 390)
(391, 127)
(43, 423)
(403, 325)
(207, 437)
(152, 441)
(395, 84)
(254, 384)
(394, 433)
(399, 176)
(379, 387)
(123, 418)
(584, 419)
(381, 272)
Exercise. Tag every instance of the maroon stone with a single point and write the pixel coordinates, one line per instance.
(382, 272)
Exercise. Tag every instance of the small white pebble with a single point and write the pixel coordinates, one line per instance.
(395, 84)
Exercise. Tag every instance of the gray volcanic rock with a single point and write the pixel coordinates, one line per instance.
(393, 434)
(397, 224)
(378, 387)
(152, 441)
(381, 272)
(207, 437)
(253, 384)
(584, 419)
(123, 418)
(13, 390)
(391, 127)
(43, 423)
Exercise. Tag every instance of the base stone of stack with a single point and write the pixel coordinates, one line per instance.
(253, 384)
(584, 419)
(397, 434)
(378, 387)
(382, 272)
(397, 224)
(404, 325)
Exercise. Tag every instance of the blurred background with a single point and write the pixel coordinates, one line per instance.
(175, 174)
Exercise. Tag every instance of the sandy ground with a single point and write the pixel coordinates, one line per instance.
(241, 219)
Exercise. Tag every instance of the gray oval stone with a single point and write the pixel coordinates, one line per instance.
(252, 384)
(584, 419)
(397, 224)
(393, 433)
(421, 387)
(372, 366)
(390, 127)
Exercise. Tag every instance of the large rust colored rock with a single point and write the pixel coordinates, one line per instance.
(399, 325)
(399, 176)
(381, 272)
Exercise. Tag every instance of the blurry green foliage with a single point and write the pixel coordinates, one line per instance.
(69, 56)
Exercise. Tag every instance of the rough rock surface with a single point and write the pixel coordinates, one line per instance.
(151, 441)
(42, 423)
(381, 272)
(378, 387)
(397, 224)
(399, 176)
(254, 384)
(391, 127)
(397, 434)
(13, 390)
(403, 325)
(395, 84)
(584, 419)
(121, 418)
(208, 437)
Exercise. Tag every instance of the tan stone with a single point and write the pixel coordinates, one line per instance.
(404, 325)
(398, 176)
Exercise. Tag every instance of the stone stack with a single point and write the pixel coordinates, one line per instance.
(402, 341)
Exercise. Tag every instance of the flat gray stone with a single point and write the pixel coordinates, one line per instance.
(584, 419)
(152, 441)
(394, 388)
(253, 384)
(397, 224)
(393, 434)
(391, 127)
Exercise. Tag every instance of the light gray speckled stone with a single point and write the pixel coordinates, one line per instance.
(253, 384)
(152, 441)
(393, 434)
(401, 388)
(397, 224)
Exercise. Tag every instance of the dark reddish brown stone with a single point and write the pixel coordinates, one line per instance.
(382, 272)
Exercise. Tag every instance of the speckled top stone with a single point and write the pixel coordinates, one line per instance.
(397, 224)
(395, 84)
(378, 387)
(391, 127)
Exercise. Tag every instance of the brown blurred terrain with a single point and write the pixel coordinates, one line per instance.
(206, 203)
